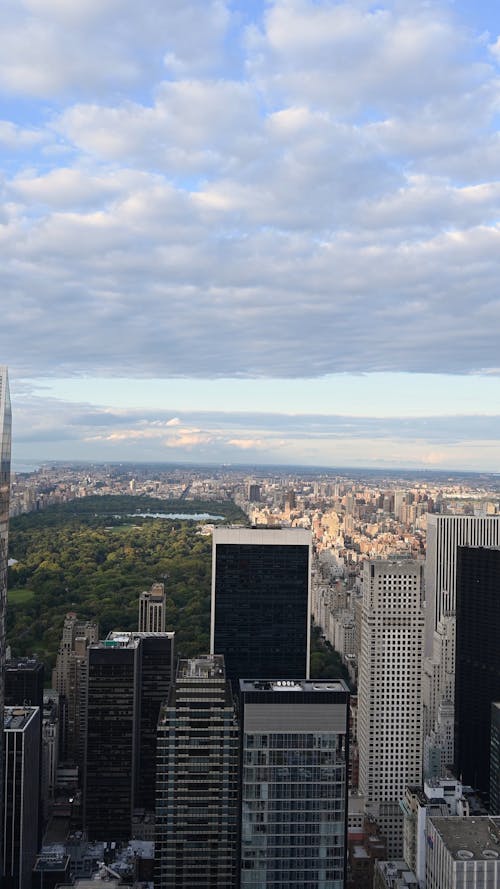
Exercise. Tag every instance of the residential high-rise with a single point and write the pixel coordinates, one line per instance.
(152, 609)
(128, 677)
(5, 447)
(293, 783)
(389, 691)
(197, 780)
(20, 801)
(261, 602)
(477, 677)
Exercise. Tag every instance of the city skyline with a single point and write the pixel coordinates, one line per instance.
(249, 231)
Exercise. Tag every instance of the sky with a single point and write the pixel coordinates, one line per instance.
(252, 232)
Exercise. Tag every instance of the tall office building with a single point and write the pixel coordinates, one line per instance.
(24, 688)
(20, 800)
(261, 602)
(477, 679)
(152, 609)
(69, 678)
(293, 783)
(444, 535)
(5, 446)
(128, 677)
(197, 780)
(389, 691)
(24, 679)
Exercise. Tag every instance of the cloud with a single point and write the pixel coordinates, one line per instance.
(317, 194)
(60, 47)
(49, 428)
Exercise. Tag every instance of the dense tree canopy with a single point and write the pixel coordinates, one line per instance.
(95, 556)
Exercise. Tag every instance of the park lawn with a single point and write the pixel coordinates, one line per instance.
(20, 596)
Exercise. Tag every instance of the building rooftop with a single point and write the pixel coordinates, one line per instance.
(15, 719)
(210, 666)
(48, 861)
(298, 685)
(262, 535)
(23, 663)
(122, 639)
(470, 838)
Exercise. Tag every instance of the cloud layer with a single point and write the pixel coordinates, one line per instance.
(191, 191)
(57, 428)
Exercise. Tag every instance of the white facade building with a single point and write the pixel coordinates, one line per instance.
(463, 852)
(389, 694)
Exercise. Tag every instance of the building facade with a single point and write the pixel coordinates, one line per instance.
(20, 801)
(444, 535)
(197, 780)
(389, 692)
(69, 678)
(261, 602)
(152, 609)
(463, 852)
(477, 680)
(128, 676)
(293, 784)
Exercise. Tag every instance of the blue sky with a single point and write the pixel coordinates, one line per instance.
(248, 231)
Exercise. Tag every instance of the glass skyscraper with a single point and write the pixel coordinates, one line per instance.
(261, 602)
(128, 677)
(477, 671)
(293, 784)
(5, 444)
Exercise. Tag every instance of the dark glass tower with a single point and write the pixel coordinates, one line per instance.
(5, 444)
(24, 682)
(128, 677)
(261, 602)
(294, 784)
(477, 674)
(197, 783)
(24, 678)
(21, 795)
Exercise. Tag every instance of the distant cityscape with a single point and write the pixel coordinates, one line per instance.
(237, 767)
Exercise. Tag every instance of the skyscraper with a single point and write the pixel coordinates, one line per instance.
(128, 677)
(444, 535)
(69, 678)
(389, 692)
(197, 780)
(21, 795)
(152, 609)
(5, 445)
(477, 671)
(293, 783)
(261, 602)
